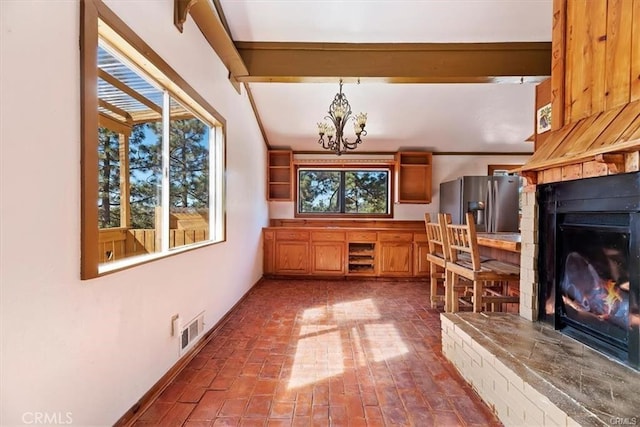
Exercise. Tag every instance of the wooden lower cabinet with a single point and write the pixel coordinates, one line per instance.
(396, 259)
(291, 251)
(268, 252)
(291, 257)
(327, 258)
(420, 265)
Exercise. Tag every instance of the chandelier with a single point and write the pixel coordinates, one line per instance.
(339, 114)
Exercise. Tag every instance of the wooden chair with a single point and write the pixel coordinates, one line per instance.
(462, 239)
(460, 288)
(436, 259)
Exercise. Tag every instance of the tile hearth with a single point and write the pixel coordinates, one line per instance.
(533, 375)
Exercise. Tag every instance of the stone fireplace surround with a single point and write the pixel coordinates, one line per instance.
(531, 374)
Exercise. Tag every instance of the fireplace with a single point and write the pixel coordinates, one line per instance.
(589, 262)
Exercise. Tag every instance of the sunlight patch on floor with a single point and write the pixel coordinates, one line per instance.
(317, 357)
(315, 329)
(384, 341)
(314, 314)
(319, 353)
(364, 309)
(358, 351)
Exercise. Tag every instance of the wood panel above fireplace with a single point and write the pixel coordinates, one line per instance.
(595, 93)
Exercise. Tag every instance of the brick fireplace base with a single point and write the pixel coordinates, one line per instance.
(532, 375)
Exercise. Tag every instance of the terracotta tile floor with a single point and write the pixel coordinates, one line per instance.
(321, 353)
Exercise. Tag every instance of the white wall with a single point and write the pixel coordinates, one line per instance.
(445, 168)
(91, 349)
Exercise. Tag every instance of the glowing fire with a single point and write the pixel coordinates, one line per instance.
(612, 295)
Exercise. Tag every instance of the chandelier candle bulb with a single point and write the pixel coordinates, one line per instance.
(361, 119)
(330, 132)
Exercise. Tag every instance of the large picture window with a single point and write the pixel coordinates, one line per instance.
(153, 153)
(344, 192)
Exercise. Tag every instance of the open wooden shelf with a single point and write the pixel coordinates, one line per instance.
(280, 175)
(414, 176)
(362, 258)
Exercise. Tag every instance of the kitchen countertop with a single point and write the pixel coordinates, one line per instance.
(505, 241)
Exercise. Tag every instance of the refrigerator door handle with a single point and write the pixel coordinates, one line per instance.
(496, 212)
(492, 190)
(488, 208)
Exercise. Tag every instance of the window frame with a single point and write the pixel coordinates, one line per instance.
(94, 13)
(347, 166)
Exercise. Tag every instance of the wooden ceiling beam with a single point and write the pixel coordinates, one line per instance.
(212, 27)
(180, 11)
(508, 62)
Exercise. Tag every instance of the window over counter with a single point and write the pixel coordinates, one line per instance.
(345, 191)
(152, 153)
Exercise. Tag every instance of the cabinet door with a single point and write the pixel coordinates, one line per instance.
(292, 257)
(268, 258)
(420, 263)
(396, 259)
(327, 258)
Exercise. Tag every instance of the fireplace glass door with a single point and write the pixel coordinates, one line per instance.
(593, 294)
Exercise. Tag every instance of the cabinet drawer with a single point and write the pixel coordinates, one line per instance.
(327, 236)
(420, 237)
(292, 235)
(396, 237)
(362, 236)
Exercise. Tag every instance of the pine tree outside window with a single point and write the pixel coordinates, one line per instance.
(344, 192)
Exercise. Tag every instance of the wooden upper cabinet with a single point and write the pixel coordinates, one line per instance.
(414, 176)
(280, 175)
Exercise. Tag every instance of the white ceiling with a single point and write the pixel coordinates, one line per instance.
(471, 117)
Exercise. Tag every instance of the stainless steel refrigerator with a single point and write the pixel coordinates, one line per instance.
(493, 200)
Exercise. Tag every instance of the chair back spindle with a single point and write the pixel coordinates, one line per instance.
(434, 237)
(463, 238)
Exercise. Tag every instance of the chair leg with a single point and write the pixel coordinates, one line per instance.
(434, 284)
(448, 291)
(454, 293)
(477, 296)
